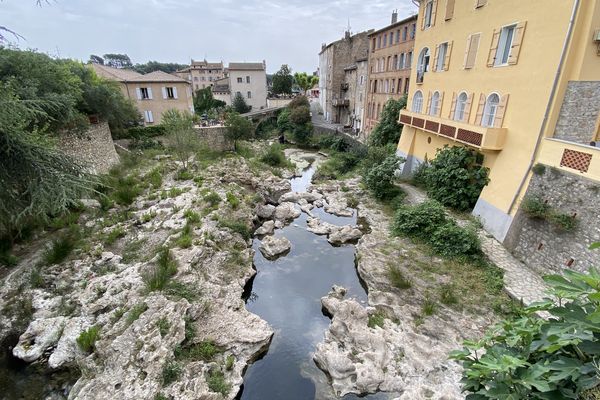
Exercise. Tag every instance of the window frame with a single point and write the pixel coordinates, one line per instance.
(514, 25)
(434, 106)
(427, 19)
(413, 105)
(422, 66)
(486, 110)
(457, 109)
(441, 57)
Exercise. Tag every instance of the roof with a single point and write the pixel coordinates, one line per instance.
(206, 64)
(395, 24)
(247, 66)
(325, 46)
(221, 85)
(128, 75)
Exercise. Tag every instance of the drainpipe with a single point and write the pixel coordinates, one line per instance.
(550, 101)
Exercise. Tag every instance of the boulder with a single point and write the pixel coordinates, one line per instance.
(265, 211)
(296, 197)
(90, 203)
(316, 226)
(41, 334)
(266, 229)
(271, 247)
(345, 234)
(286, 212)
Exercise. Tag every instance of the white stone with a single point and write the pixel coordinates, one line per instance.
(272, 246)
(266, 229)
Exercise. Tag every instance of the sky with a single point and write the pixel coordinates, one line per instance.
(280, 32)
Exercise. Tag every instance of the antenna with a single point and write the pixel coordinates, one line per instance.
(348, 24)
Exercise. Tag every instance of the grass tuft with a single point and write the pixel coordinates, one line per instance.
(87, 339)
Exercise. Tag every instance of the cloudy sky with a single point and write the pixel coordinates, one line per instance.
(278, 31)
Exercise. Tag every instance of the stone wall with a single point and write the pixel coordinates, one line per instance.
(579, 112)
(215, 138)
(542, 246)
(352, 140)
(94, 147)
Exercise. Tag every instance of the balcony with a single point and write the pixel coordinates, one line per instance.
(341, 102)
(479, 137)
(573, 157)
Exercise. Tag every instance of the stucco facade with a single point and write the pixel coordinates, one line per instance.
(494, 75)
(390, 61)
(202, 74)
(152, 93)
(250, 80)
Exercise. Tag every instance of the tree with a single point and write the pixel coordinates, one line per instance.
(305, 81)
(388, 130)
(204, 101)
(94, 59)
(117, 60)
(152, 66)
(183, 140)
(238, 128)
(283, 80)
(239, 104)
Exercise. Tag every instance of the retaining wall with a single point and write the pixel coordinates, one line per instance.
(215, 138)
(94, 147)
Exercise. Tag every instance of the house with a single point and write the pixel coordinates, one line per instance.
(390, 61)
(152, 93)
(202, 74)
(250, 80)
(221, 90)
(354, 88)
(519, 82)
(334, 58)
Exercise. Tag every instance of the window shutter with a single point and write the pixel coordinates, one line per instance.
(467, 50)
(150, 94)
(473, 44)
(433, 12)
(440, 105)
(435, 58)
(452, 106)
(138, 92)
(175, 92)
(480, 3)
(516, 45)
(500, 110)
(480, 108)
(151, 117)
(164, 92)
(493, 48)
(468, 105)
(428, 107)
(447, 58)
(422, 14)
(449, 9)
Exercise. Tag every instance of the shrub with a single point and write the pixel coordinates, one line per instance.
(87, 339)
(397, 279)
(564, 222)
(419, 221)
(171, 372)
(229, 362)
(388, 129)
(236, 226)
(183, 175)
(380, 178)
(154, 177)
(140, 132)
(163, 271)
(539, 169)
(183, 140)
(456, 178)
(528, 357)
(213, 199)
(163, 326)
(126, 190)
(335, 143)
(185, 239)
(233, 201)
(217, 383)
(60, 249)
(191, 216)
(337, 165)
(450, 240)
(283, 121)
(299, 101)
(274, 156)
(428, 307)
(376, 319)
(204, 351)
(535, 207)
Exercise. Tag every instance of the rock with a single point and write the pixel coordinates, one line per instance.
(345, 234)
(271, 246)
(266, 229)
(67, 350)
(296, 197)
(286, 212)
(339, 209)
(41, 334)
(273, 188)
(265, 211)
(316, 226)
(90, 203)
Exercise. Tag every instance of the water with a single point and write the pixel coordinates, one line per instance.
(287, 293)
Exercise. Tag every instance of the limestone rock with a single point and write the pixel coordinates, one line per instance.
(318, 227)
(90, 203)
(296, 197)
(345, 234)
(266, 229)
(272, 246)
(265, 211)
(67, 350)
(41, 334)
(286, 212)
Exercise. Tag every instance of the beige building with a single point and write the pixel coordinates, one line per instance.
(221, 91)
(390, 60)
(202, 74)
(250, 80)
(153, 93)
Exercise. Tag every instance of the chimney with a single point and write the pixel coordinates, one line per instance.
(394, 16)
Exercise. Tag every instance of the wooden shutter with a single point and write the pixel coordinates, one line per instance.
(471, 54)
(150, 93)
(517, 41)
(452, 106)
(447, 58)
(436, 54)
(480, 108)
(428, 106)
(468, 106)
(151, 116)
(500, 111)
(449, 9)
(422, 11)
(175, 92)
(494, 48)
(480, 3)
(433, 12)
(164, 92)
(138, 93)
(440, 104)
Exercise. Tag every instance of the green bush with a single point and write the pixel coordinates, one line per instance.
(338, 165)
(213, 199)
(217, 383)
(162, 272)
(397, 279)
(185, 239)
(564, 222)
(236, 226)
(456, 178)
(141, 132)
(274, 156)
(191, 216)
(171, 372)
(203, 351)
(539, 169)
(376, 319)
(529, 357)
(388, 130)
(450, 240)
(126, 190)
(114, 234)
(87, 339)
(335, 143)
(233, 201)
(183, 175)
(419, 221)
(154, 177)
(535, 207)
(60, 249)
(380, 178)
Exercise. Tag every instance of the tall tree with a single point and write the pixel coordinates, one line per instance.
(305, 81)
(239, 104)
(152, 66)
(94, 59)
(117, 60)
(283, 80)
(183, 140)
(238, 128)
(388, 130)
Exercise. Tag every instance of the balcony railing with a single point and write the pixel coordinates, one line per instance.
(480, 137)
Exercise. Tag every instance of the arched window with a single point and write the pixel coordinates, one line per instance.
(434, 107)
(490, 109)
(417, 103)
(423, 64)
(461, 106)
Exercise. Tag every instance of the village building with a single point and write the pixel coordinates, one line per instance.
(152, 93)
(250, 80)
(202, 74)
(390, 61)
(521, 86)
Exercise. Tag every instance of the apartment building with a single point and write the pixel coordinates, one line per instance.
(152, 93)
(202, 74)
(335, 60)
(390, 61)
(519, 82)
(249, 80)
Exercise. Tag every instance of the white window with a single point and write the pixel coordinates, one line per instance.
(417, 103)
(144, 94)
(387, 86)
(434, 107)
(240, 80)
(504, 45)
(247, 79)
(169, 93)
(423, 64)
(148, 117)
(461, 105)
(249, 95)
(490, 109)
(428, 14)
(441, 57)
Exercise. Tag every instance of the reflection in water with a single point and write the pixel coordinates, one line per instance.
(289, 297)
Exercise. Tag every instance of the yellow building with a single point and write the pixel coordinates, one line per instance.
(152, 93)
(517, 80)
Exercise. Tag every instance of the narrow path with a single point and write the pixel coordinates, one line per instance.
(520, 282)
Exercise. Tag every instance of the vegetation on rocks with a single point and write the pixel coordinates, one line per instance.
(537, 208)
(179, 127)
(87, 339)
(238, 128)
(296, 120)
(165, 268)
